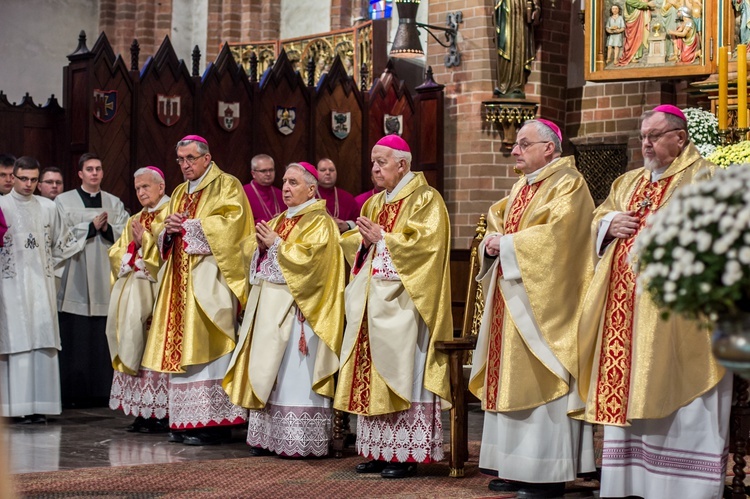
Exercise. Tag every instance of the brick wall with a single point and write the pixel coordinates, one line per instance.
(149, 21)
(341, 13)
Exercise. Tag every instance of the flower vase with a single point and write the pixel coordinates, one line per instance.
(731, 343)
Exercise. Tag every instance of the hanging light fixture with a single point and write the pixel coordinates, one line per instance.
(406, 43)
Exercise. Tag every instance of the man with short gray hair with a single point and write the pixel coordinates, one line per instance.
(135, 261)
(265, 199)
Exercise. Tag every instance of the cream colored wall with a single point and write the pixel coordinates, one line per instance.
(37, 35)
(189, 28)
(302, 18)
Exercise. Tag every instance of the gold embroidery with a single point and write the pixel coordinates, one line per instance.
(285, 225)
(512, 223)
(613, 382)
(172, 357)
(359, 397)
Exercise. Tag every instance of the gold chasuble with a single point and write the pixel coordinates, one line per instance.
(374, 377)
(312, 264)
(132, 298)
(639, 366)
(527, 354)
(192, 323)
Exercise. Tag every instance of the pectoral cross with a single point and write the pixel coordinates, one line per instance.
(643, 205)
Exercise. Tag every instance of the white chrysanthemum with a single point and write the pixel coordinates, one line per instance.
(732, 273)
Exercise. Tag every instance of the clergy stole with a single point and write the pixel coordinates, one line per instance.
(359, 400)
(511, 225)
(613, 383)
(172, 357)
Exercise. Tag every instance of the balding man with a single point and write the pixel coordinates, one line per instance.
(653, 383)
(265, 199)
(339, 203)
(398, 306)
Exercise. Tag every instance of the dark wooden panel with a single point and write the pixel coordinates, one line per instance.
(338, 92)
(225, 81)
(30, 130)
(283, 87)
(165, 75)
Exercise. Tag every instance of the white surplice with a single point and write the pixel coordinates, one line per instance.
(36, 240)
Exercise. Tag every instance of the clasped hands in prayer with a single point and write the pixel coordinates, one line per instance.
(265, 236)
(173, 223)
(370, 231)
(100, 221)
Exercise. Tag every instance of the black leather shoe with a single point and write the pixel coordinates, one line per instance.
(502, 485)
(373, 466)
(208, 436)
(136, 425)
(541, 491)
(201, 438)
(399, 470)
(153, 425)
(176, 437)
(260, 451)
(39, 419)
(22, 420)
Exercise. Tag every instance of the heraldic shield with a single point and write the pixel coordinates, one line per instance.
(393, 124)
(105, 104)
(341, 124)
(229, 115)
(286, 119)
(168, 108)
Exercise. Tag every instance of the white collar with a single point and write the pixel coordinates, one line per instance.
(163, 200)
(193, 184)
(20, 197)
(531, 177)
(291, 212)
(92, 194)
(389, 196)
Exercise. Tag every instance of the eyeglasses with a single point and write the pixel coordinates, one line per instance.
(190, 160)
(525, 145)
(267, 170)
(33, 180)
(654, 137)
(52, 182)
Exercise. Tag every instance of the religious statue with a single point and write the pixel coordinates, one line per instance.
(637, 20)
(615, 27)
(686, 38)
(742, 7)
(515, 21)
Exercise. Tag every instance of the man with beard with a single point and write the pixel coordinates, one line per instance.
(653, 383)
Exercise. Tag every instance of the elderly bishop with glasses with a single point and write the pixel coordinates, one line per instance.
(534, 268)
(193, 331)
(653, 383)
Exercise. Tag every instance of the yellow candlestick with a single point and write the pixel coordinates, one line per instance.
(742, 86)
(723, 86)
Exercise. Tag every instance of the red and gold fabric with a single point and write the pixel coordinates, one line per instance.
(312, 264)
(377, 370)
(132, 299)
(549, 222)
(194, 319)
(638, 365)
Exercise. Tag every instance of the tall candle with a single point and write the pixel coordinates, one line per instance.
(742, 86)
(723, 86)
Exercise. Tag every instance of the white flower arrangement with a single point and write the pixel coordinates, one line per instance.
(694, 255)
(703, 128)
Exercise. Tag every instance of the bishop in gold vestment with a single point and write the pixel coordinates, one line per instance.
(135, 264)
(535, 267)
(653, 383)
(283, 366)
(193, 331)
(397, 307)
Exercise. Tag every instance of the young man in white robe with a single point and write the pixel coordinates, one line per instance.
(138, 391)
(97, 219)
(29, 337)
